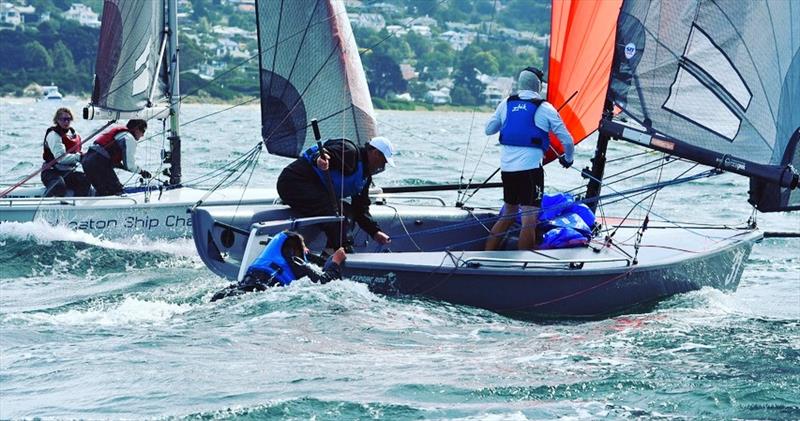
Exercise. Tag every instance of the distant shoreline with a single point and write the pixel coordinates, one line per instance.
(244, 102)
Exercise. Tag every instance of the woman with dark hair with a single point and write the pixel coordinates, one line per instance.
(284, 260)
(115, 148)
(62, 153)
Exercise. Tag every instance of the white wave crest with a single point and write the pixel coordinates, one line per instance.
(128, 312)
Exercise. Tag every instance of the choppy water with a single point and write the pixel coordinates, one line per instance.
(93, 328)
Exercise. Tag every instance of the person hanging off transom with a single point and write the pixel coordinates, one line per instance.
(304, 186)
(62, 142)
(284, 260)
(115, 148)
(524, 121)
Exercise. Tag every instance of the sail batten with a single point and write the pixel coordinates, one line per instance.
(310, 69)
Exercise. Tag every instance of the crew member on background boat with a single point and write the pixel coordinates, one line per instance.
(305, 187)
(115, 148)
(284, 260)
(524, 121)
(63, 142)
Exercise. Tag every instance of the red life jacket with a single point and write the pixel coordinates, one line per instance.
(106, 140)
(72, 144)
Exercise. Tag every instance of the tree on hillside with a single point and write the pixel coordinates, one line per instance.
(62, 58)
(35, 57)
(473, 61)
(383, 75)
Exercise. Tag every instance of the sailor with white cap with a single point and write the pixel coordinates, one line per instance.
(316, 182)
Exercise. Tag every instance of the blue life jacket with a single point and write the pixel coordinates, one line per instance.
(272, 261)
(343, 186)
(519, 128)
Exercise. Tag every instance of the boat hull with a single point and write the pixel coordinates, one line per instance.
(154, 215)
(436, 252)
(540, 292)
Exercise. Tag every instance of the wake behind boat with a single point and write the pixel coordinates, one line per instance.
(137, 77)
(676, 93)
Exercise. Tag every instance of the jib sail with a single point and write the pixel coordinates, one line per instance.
(310, 69)
(131, 71)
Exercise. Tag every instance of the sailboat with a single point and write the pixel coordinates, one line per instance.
(137, 77)
(696, 80)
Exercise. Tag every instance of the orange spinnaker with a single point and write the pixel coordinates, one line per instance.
(581, 51)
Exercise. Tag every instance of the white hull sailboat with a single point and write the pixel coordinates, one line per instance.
(676, 89)
(137, 77)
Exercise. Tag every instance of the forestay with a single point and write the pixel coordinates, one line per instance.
(310, 69)
(717, 82)
(131, 72)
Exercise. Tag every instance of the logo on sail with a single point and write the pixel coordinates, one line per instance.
(630, 50)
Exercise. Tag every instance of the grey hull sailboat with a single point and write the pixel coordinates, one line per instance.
(712, 90)
(137, 77)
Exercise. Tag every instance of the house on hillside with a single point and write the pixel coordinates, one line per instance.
(437, 97)
(83, 14)
(496, 88)
(372, 21)
(10, 16)
(458, 40)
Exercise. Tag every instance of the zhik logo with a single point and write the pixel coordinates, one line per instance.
(519, 107)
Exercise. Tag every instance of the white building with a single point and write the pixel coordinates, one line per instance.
(458, 40)
(372, 21)
(497, 88)
(437, 97)
(83, 14)
(10, 15)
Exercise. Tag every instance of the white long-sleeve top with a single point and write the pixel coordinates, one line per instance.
(67, 163)
(521, 158)
(127, 142)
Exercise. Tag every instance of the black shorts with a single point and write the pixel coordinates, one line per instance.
(523, 188)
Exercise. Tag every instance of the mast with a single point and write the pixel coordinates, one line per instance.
(595, 175)
(173, 157)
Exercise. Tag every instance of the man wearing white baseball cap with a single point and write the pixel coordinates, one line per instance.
(346, 169)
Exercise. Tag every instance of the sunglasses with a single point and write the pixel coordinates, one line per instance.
(65, 119)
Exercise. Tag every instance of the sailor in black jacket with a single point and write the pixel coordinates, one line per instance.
(304, 185)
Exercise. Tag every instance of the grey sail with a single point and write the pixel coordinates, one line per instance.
(310, 69)
(717, 82)
(130, 74)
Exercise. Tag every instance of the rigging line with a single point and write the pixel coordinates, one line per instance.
(275, 51)
(220, 111)
(410, 23)
(622, 158)
(403, 225)
(252, 165)
(428, 140)
(297, 53)
(212, 190)
(230, 167)
(466, 151)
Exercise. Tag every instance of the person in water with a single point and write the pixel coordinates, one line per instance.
(524, 121)
(63, 143)
(304, 184)
(284, 260)
(115, 148)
